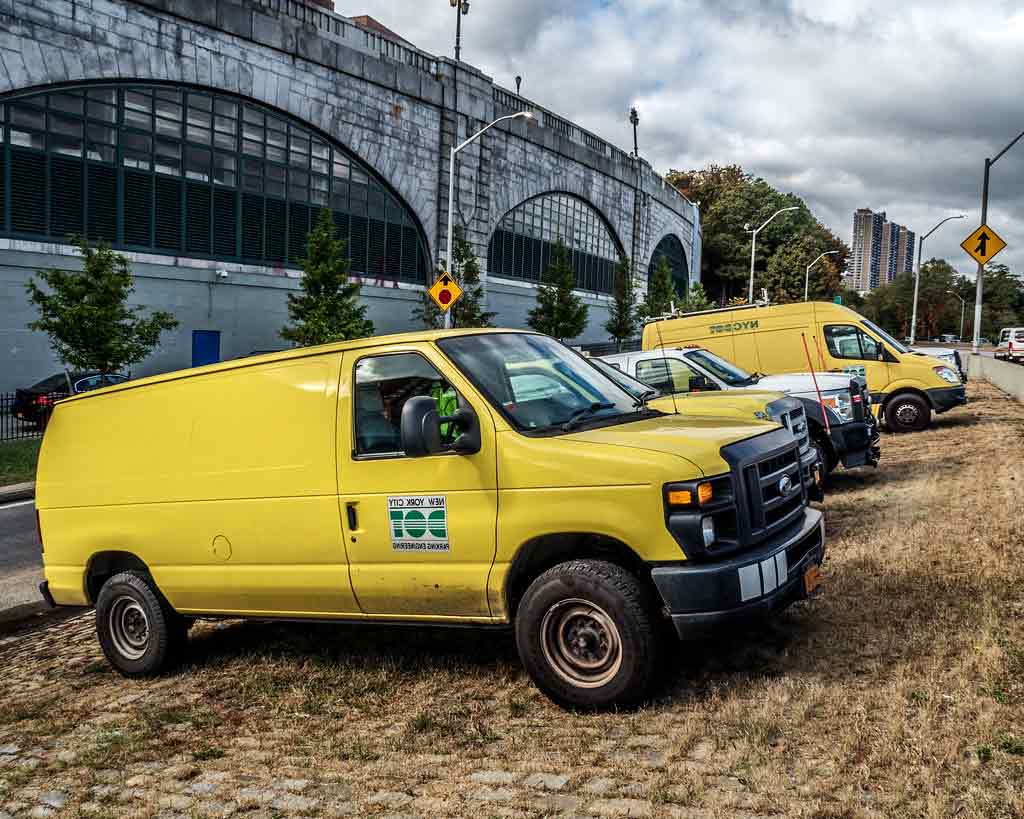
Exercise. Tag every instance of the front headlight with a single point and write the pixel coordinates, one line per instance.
(946, 374)
(841, 403)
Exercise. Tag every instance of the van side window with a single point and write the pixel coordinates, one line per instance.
(848, 341)
(383, 384)
(666, 374)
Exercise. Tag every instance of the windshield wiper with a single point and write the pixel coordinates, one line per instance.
(641, 400)
(582, 414)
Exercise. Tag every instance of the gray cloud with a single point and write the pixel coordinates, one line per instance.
(869, 104)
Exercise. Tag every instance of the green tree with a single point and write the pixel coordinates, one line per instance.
(86, 314)
(622, 318)
(661, 292)
(696, 299)
(559, 312)
(469, 310)
(730, 199)
(327, 307)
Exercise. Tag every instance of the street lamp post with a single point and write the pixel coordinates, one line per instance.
(634, 118)
(753, 248)
(963, 309)
(807, 275)
(461, 9)
(981, 268)
(917, 275)
(451, 191)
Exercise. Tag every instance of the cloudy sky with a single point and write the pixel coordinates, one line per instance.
(892, 106)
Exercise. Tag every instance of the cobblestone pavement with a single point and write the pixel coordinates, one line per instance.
(891, 695)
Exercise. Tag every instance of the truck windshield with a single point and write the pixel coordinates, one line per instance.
(888, 339)
(725, 370)
(537, 384)
(638, 389)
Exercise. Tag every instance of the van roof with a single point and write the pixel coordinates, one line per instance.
(296, 353)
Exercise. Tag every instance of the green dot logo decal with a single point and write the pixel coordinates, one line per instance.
(418, 523)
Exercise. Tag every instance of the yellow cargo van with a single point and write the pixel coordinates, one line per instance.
(905, 386)
(322, 483)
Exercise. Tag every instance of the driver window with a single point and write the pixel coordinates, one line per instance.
(847, 341)
(666, 374)
(382, 386)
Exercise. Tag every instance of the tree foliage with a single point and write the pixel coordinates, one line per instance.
(559, 312)
(696, 299)
(938, 310)
(729, 198)
(622, 317)
(327, 307)
(661, 292)
(86, 314)
(469, 310)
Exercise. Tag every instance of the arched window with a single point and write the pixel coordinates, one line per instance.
(176, 170)
(671, 249)
(521, 245)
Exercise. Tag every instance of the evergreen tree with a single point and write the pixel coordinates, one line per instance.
(86, 315)
(469, 310)
(559, 312)
(661, 292)
(622, 319)
(695, 300)
(327, 308)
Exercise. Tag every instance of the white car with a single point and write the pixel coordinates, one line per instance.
(851, 435)
(946, 356)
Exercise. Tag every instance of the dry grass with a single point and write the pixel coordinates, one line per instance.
(899, 692)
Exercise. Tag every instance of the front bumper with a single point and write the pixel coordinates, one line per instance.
(944, 399)
(703, 596)
(857, 443)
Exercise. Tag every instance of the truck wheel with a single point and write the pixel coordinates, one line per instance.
(139, 632)
(828, 461)
(586, 635)
(907, 413)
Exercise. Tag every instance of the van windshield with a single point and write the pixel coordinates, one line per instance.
(725, 370)
(888, 339)
(538, 384)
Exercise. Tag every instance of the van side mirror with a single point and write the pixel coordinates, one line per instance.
(421, 429)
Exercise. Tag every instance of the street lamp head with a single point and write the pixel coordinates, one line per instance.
(527, 115)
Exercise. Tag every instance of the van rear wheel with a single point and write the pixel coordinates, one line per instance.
(139, 632)
(907, 413)
(586, 635)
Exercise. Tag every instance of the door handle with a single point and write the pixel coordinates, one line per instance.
(353, 518)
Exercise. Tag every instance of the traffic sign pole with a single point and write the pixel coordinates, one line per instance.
(981, 266)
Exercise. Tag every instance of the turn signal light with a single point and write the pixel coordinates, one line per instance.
(680, 497)
(704, 493)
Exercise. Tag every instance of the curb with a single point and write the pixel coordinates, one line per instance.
(17, 492)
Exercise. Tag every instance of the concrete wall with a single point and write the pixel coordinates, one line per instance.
(1008, 377)
(397, 108)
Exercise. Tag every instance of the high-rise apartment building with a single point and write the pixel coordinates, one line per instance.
(881, 250)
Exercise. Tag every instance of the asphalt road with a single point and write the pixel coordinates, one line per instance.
(21, 566)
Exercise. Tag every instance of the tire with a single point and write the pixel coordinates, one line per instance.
(907, 413)
(139, 632)
(587, 636)
(827, 460)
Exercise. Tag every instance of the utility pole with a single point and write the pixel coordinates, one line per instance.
(917, 275)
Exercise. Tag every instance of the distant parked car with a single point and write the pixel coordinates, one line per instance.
(34, 404)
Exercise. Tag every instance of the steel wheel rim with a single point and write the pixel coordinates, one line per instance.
(128, 625)
(581, 643)
(907, 414)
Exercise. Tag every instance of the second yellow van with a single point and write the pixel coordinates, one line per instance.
(906, 386)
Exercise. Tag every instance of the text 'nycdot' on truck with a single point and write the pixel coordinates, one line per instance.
(324, 484)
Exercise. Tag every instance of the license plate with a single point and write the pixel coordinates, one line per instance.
(812, 579)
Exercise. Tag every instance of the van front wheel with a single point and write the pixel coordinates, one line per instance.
(907, 413)
(586, 635)
(140, 634)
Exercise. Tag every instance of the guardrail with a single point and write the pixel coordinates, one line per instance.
(336, 25)
(26, 415)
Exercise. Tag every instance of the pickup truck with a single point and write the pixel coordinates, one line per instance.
(850, 437)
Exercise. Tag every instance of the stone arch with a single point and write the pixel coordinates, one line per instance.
(520, 246)
(195, 171)
(672, 248)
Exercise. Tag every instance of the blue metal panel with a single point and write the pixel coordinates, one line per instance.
(205, 347)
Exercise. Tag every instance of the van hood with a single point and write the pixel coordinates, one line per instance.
(804, 382)
(697, 439)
